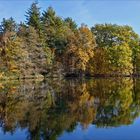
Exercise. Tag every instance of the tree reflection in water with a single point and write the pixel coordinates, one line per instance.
(47, 109)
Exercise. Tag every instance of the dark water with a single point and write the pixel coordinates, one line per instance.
(99, 109)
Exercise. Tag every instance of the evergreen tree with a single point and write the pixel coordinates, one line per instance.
(49, 16)
(8, 25)
(33, 17)
(55, 31)
(71, 24)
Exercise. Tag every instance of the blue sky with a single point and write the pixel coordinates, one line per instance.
(89, 12)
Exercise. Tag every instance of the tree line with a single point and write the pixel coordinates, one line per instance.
(46, 44)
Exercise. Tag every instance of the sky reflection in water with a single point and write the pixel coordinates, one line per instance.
(99, 109)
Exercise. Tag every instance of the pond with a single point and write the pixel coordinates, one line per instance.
(72, 109)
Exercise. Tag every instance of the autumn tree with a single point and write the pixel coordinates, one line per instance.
(99, 63)
(136, 59)
(11, 52)
(39, 56)
(120, 59)
(110, 36)
(79, 50)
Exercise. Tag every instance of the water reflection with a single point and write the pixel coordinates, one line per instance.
(47, 109)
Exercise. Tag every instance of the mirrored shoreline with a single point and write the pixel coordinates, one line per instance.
(67, 109)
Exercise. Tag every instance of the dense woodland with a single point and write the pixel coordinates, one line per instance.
(46, 44)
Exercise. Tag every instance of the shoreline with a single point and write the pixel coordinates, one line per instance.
(42, 77)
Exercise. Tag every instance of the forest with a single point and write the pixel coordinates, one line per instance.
(47, 45)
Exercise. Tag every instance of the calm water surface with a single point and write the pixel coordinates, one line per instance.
(97, 109)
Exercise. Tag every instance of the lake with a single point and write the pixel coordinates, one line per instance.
(72, 109)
